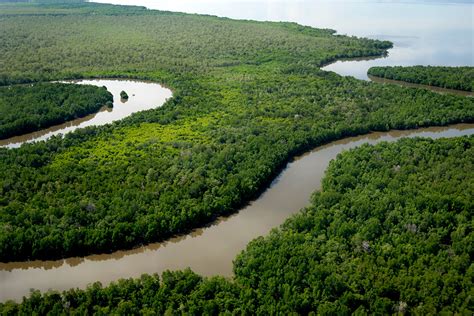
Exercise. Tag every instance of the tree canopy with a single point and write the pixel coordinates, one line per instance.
(247, 96)
(458, 78)
(390, 232)
(124, 95)
(31, 107)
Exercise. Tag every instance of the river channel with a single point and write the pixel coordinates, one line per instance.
(423, 32)
(142, 96)
(210, 250)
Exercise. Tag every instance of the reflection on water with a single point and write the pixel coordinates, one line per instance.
(143, 96)
(209, 250)
(424, 32)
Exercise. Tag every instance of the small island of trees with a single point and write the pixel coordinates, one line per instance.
(123, 95)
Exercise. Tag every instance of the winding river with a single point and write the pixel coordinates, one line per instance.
(423, 34)
(210, 250)
(142, 96)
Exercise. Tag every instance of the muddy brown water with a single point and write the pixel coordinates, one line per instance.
(210, 250)
(444, 38)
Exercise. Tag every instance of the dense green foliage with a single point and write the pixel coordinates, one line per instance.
(247, 97)
(178, 293)
(28, 108)
(123, 95)
(390, 232)
(458, 78)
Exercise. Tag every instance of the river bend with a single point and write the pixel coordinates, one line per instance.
(142, 96)
(210, 250)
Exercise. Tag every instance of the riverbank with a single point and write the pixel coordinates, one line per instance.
(365, 212)
(249, 96)
(143, 96)
(451, 78)
(421, 86)
(32, 107)
(208, 251)
(245, 103)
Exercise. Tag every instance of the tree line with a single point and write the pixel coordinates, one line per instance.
(31, 107)
(389, 233)
(248, 96)
(458, 78)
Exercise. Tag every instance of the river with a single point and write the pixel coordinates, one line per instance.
(210, 250)
(142, 96)
(436, 33)
(424, 32)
